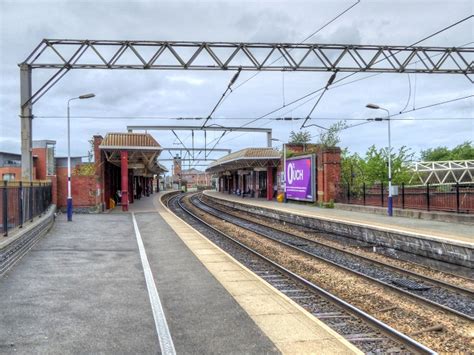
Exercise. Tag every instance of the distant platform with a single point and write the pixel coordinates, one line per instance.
(448, 242)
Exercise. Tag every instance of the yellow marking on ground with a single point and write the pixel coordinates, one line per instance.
(290, 327)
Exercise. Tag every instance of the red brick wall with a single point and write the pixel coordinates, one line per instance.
(84, 189)
(14, 170)
(40, 153)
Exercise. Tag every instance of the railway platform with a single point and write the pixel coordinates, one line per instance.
(444, 241)
(145, 282)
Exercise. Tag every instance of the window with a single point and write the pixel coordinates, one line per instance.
(8, 176)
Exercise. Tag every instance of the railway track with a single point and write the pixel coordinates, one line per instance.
(436, 293)
(364, 331)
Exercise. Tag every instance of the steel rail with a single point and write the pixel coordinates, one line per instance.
(384, 284)
(384, 328)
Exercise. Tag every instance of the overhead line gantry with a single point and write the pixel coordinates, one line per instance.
(63, 55)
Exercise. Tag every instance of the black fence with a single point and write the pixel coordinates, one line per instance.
(21, 202)
(457, 198)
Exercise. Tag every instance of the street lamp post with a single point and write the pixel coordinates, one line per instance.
(390, 201)
(69, 193)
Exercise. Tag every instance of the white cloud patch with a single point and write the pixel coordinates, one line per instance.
(185, 80)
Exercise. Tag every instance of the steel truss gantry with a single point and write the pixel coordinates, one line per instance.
(63, 55)
(442, 172)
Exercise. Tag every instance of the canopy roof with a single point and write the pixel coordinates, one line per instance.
(246, 158)
(129, 141)
(143, 151)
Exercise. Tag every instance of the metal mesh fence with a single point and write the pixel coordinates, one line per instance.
(457, 198)
(22, 202)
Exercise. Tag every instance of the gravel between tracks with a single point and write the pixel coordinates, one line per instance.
(408, 316)
(354, 246)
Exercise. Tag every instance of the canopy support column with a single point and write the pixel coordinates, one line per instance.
(269, 183)
(124, 171)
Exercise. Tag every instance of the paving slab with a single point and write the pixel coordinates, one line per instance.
(79, 290)
(203, 317)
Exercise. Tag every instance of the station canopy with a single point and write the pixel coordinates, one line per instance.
(246, 158)
(143, 151)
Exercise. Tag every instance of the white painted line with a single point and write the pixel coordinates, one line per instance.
(164, 336)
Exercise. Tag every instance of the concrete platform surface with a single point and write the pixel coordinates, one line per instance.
(462, 233)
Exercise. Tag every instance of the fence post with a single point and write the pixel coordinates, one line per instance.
(428, 196)
(458, 207)
(5, 209)
(363, 191)
(30, 207)
(20, 203)
(41, 202)
(403, 195)
(381, 191)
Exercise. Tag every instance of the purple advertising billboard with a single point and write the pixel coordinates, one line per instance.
(299, 178)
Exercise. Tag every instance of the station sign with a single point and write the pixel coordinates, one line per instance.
(300, 178)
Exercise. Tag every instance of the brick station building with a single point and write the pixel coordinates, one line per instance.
(257, 172)
(125, 162)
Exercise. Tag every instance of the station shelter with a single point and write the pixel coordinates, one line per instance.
(259, 172)
(248, 172)
(127, 167)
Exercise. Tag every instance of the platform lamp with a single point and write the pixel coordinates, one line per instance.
(390, 202)
(69, 193)
(284, 167)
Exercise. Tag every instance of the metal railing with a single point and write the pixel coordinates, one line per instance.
(457, 197)
(22, 201)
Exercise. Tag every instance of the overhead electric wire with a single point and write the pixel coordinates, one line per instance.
(232, 81)
(352, 74)
(303, 41)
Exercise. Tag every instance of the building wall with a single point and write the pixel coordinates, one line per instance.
(40, 154)
(83, 188)
(14, 170)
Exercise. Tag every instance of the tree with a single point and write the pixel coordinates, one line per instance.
(329, 138)
(464, 151)
(373, 167)
(301, 137)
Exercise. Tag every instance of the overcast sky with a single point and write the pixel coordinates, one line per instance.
(194, 93)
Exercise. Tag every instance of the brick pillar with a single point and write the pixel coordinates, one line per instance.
(54, 188)
(124, 171)
(100, 173)
(269, 183)
(331, 159)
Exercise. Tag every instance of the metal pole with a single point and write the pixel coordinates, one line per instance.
(20, 203)
(69, 194)
(390, 203)
(457, 198)
(403, 195)
(26, 116)
(428, 196)
(5, 209)
(363, 189)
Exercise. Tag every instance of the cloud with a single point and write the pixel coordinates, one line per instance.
(194, 93)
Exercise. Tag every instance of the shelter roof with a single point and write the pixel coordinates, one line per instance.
(143, 152)
(246, 158)
(129, 141)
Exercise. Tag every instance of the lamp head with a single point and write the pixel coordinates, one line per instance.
(87, 96)
(373, 106)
